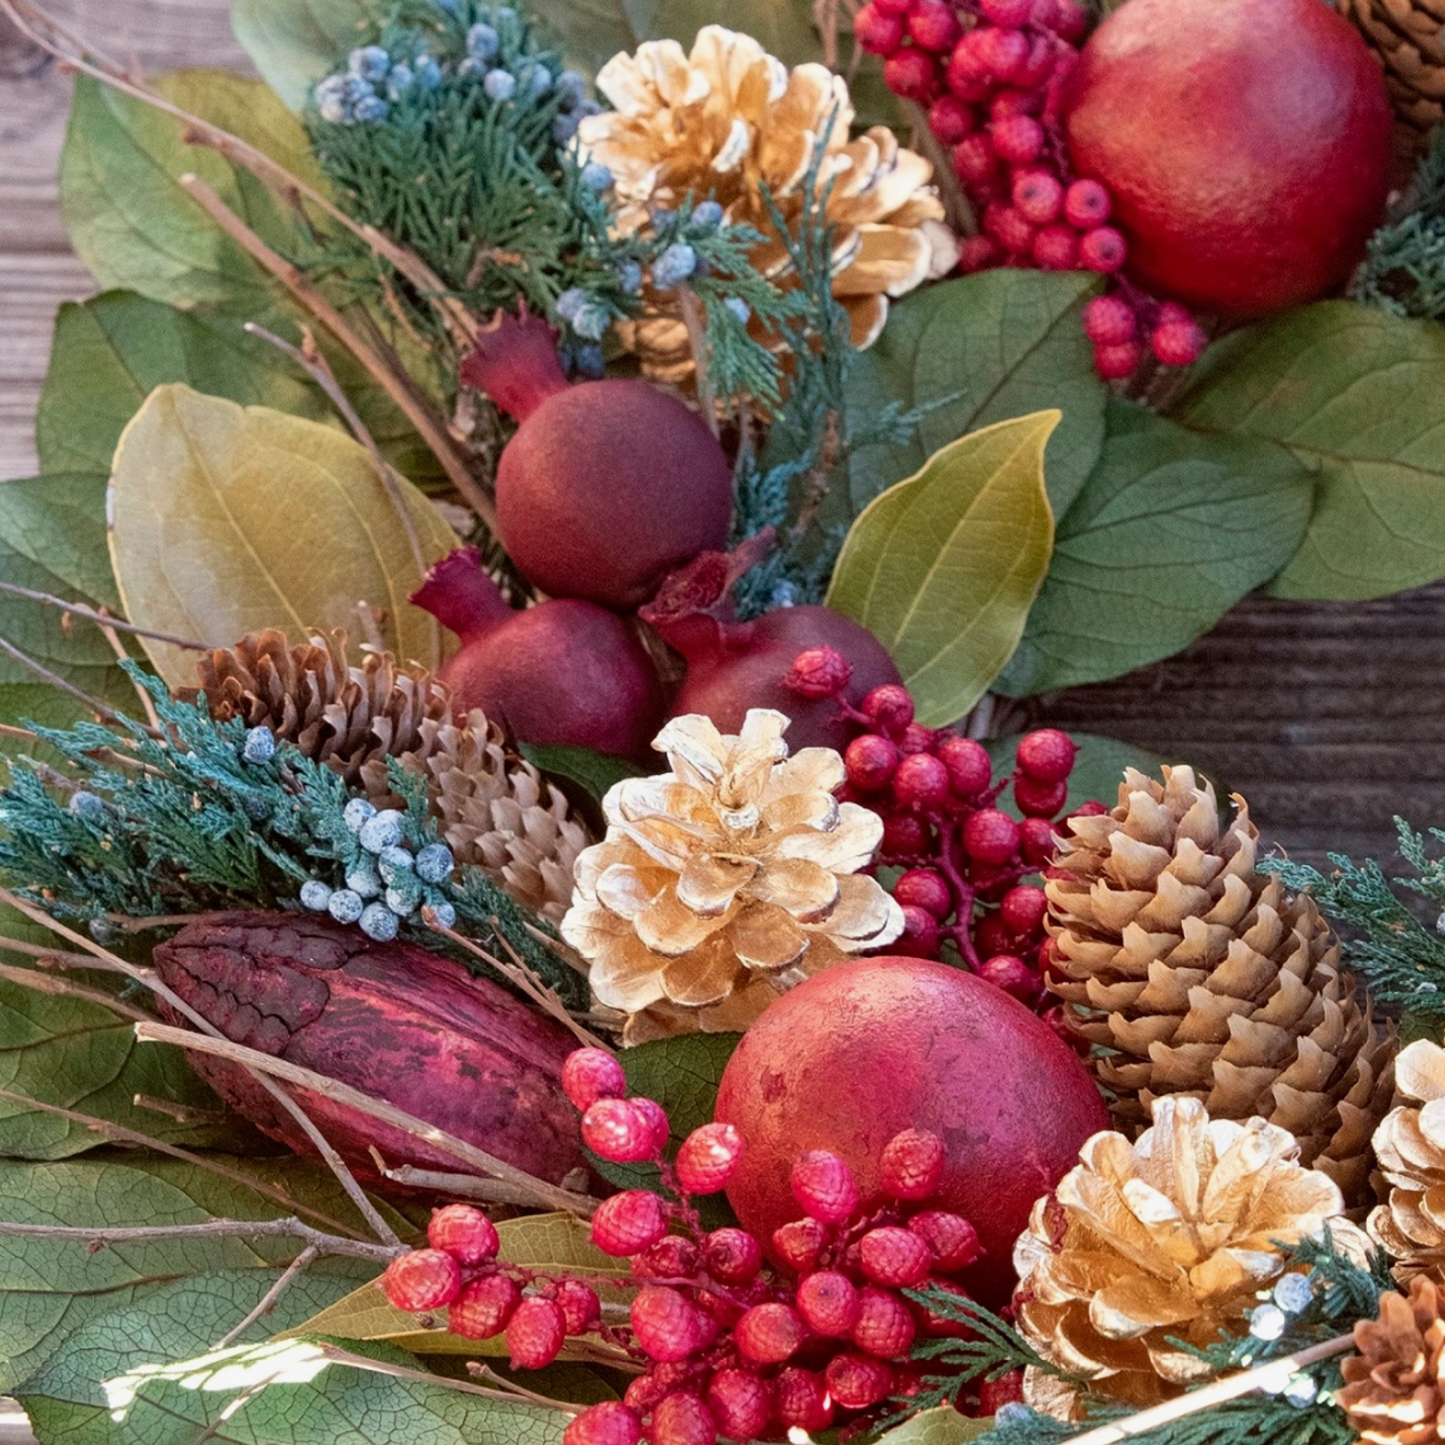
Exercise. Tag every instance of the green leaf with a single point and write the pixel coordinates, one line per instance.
(976, 351)
(129, 219)
(594, 772)
(944, 567)
(1359, 397)
(1171, 530)
(942, 1426)
(227, 519)
(293, 43)
(1098, 768)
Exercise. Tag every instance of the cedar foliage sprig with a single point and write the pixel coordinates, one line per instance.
(1404, 267)
(187, 823)
(1401, 960)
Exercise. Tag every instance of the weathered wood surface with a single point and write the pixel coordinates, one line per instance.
(1330, 719)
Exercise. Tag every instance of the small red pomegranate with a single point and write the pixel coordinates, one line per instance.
(869, 1048)
(608, 485)
(564, 673)
(1246, 144)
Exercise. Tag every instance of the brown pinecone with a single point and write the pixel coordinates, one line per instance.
(1410, 1147)
(340, 713)
(1205, 977)
(1409, 38)
(1394, 1393)
(495, 809)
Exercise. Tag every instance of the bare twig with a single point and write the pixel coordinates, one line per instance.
(181, 1113)
(55, 680)
(460, 1186)
(517, 1391)
(53, 984)
(55, 957)
(334, 1089)
(104, 619)
(271, 1298)
(101, 1237)
(338, 1356)
(112, 638)
(696, 323)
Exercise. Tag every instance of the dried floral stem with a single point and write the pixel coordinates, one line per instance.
(519, 1392)
(956, 205)
(181, 1113)
(102, 1236)
(338, 1356)
(334, 1089)
(272, 1297)
(1271, 1378)
(104, 619)
(696, 323)
(460, 1186)
(55, 957)
(52, 984)
(55, 680)
(112, 638)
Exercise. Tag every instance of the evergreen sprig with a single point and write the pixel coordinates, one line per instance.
(1404, 267)
(1401, 959)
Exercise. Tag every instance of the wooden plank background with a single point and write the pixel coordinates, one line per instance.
(1331, 719)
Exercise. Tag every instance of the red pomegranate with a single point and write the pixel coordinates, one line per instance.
(1246, 144)
(869, 1048)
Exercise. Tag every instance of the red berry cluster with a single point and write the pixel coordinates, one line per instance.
(993, 75)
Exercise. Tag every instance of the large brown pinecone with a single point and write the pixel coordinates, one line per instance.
(1394, 1391)
(1410, 1148)
(1409, 38)
(495, 809)
(1204, 977)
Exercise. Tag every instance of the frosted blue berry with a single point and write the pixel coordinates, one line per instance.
(371, 110)
(1268, 1322)
(393, 863)
(629, 277)
(83, 804)
(570, 302)
(356, 813)
(504, 15)
(662, 218)
(315, 896)
(428, 72)
(591, 321)
(674, 266)
(596, 176)
(589, 363)
(444, 915)
(564, 127)
(739, 309)
(260, 745)
(588, 107)
(364, 881)
(399, 81)
(1011, 1413)
(331, 99)
(482, 41)
(537, 81)
(256, 807)
(785, 594)
(1301, 1391)
(706, 216)
(403, 898)
(1293, 1293)
(345, 906)
(382, 831)
(369, 62)
(103, 931)
(434, 863)
(379, 923)
(500, 85)
(571, 88)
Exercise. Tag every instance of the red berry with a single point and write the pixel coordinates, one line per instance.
(1018, 138)
(889, 708)
(732, 1256)
(1114, 363)
(656, 1117)
(682, 1419)
(769, 1333)
(483, 1308)
(1087, 204)
(592, 1074)
(894, 1256)
(911, 74)
(618, 1131)
(464, 1232)
(1070, 19)
(885, 1326)
(609, 1422)
(799, 1243)
(950, 119)
(970, 770)
(581, 1309)
(856, 1382)
(665, 1322)
(1004, 51)
(1056, 248)
(871, 761)
(1023, 909)
(905, 836)
(953, 1240)
(1039, 800)
(628, 1223)
(1178, 343)
(1038, 69)
(708, 1158)
(1037, 197)
(535, 1333)
(894, 7)
(1007, 971)
(1103, 249)
(992, 935)
(1036, 840)
(818, 672)
(1009, 229)
(669, 1258)
(979, 253)
(938, 1325)
(925, 889)
(911, 1166)
(828, 1301)
(1045, 15)
(1108, 321)
(933, 25)
(921, 782)
(425, 1279)
(800, 1400)
(1046, 753)
(919, 938)
(1012, 13)
(1006, 1390)
(974, 159)
(825, 1187)
(990, 837)
(968, 71)
(741, 1403)
(916, 738)
(876, 31)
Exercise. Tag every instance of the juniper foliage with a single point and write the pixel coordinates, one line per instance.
(1404, 267)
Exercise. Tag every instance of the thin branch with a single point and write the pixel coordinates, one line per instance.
(696, 323)
(56, 957)
(334, 1089)
(112, 638)
(104, 619)
(272, 1297)
(338, 1356)
(518, 1392)
(459, 1186)
(55, 680)
(53, 984)
(129, 923)
(1271, 1378)
(181, 1113)
(101, 1237)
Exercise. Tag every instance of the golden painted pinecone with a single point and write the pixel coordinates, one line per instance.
(1171, 1238)
(1394, 1391)
(1409, 38)
(495, 809)
(1410, 1147)
(1205, 977)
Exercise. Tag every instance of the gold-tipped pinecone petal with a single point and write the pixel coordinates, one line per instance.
(1394, 1390)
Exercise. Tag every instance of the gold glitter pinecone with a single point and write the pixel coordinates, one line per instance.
(725, 881)
(1410, 1147)
(1173, 1236)
(1204, 977)
(1408, 36)
(1394, 1390)
(495, 809)
(728, 118)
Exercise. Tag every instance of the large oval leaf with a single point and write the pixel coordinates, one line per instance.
(1358, 396)
(225, 519)
(944, 567)
(295, 42)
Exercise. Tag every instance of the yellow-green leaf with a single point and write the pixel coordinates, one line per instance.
(943, 568)
(224, 519)
(943, 1426)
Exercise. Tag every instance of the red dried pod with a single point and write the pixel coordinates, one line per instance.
(953, 1240)
(667, 1325)
(911, 1165)
(799, 1243)
(829, 1302)
(741, 1403)
(580, 1306)
(465, 1233)
(535, 1333)
(885, 1327)
(732, 1256)
(770, 1333)
(609, 1422)
(390, 1019)
(800, 1400)
(857, 1382)
(483, 1307)
(425, 1279)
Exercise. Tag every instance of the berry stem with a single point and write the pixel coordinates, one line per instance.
(962, 892)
